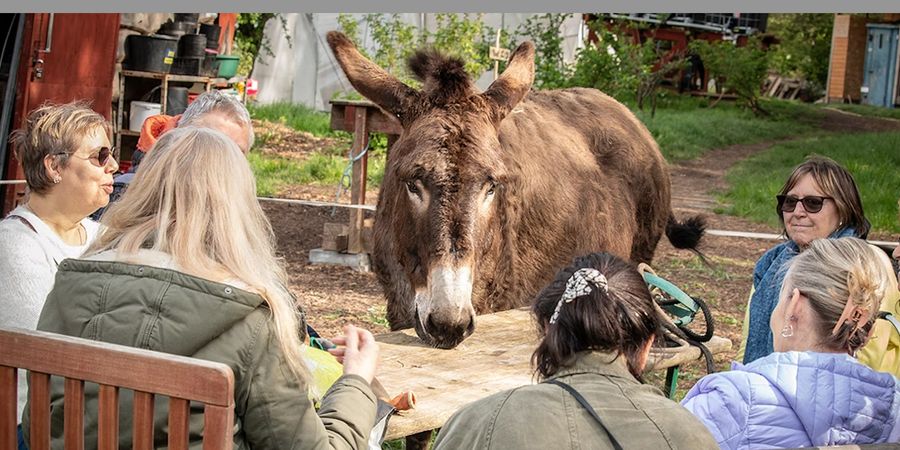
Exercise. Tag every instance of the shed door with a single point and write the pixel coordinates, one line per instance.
(881, 58)
(64, 57)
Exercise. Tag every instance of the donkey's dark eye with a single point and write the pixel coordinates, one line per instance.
(491, 186)
(411, 187)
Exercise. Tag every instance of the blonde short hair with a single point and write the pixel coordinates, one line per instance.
(53, 130)
(833, 272)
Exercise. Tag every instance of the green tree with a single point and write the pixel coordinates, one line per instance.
(804, 48)
(741, 70)
(463, 36)
(544, 31)
(612, 63)
(250, 39)
(394, 41)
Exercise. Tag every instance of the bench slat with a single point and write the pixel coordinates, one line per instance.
(39, 405)
(73, 412)
(143, 421)
(108, 420)
(217, 425)
(8, 405)
(179, 415)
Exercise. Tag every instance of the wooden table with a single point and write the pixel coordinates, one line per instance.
(495, 358)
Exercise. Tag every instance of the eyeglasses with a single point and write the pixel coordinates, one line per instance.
(102, 156)
(811, 203)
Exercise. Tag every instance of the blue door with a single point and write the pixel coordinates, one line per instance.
(881, 65)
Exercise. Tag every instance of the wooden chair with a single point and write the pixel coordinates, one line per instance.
(113, 367)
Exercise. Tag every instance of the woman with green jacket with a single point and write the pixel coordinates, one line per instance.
(597, 322)
(187, 266)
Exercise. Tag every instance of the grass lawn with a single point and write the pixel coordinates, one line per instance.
(272, 172)
(872, 158)
(326, 167)
(866, 110)
(298, 117)
(685, 128)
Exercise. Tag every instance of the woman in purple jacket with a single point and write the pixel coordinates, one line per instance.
(811, 391)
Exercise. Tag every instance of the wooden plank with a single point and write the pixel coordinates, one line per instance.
(73, 415)
(104, 363)
(368, 236)
(216, 419)
(335, 237)
(142, 424)
(358, 179)
(39, 405)
(343, 117)
(165, 76)
(108, 418)
(337, 116)
(495, 358)
(179, 423)
(8, 403)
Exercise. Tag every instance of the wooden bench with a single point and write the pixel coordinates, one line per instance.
(113, 367)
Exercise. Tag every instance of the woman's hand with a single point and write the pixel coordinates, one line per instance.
(357, 351)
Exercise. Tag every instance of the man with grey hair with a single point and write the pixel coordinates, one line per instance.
(223, 113)
(212, 109)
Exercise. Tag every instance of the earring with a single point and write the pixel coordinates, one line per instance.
(57, 179)
(787, 331)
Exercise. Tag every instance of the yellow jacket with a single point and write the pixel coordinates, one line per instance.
(882, 352)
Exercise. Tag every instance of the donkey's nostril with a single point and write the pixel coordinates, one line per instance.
(430, 326)
(471, 328)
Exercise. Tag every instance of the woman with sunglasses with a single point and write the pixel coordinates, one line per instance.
(66, 156)
(819, 200)
(811, 392)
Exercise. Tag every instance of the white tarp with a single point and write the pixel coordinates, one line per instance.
(306, 72)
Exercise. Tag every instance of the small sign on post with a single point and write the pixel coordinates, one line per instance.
(498, 53)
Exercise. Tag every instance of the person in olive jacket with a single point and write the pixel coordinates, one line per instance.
(187, 266)
(598, 322)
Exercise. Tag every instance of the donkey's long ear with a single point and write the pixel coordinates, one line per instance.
(372, 81)
(508, 90)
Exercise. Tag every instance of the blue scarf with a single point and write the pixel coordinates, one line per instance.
(768, 276)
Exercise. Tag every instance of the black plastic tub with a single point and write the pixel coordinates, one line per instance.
(187, 17)
(192, 46)
(212, 33)
(176, 101)
(153, 53)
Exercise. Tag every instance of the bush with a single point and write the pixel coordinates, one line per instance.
(740, 70)
(805, 47)
(549, 69)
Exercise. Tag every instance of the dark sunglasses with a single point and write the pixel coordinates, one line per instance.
(102, 157)
(811, 203)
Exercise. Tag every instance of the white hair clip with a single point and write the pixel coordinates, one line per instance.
(580, 284)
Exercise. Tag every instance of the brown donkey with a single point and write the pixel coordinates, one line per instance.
(487, 194)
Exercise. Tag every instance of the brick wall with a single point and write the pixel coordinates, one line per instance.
(848, 57)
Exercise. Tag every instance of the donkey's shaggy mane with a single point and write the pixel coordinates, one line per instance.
(444, 78)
